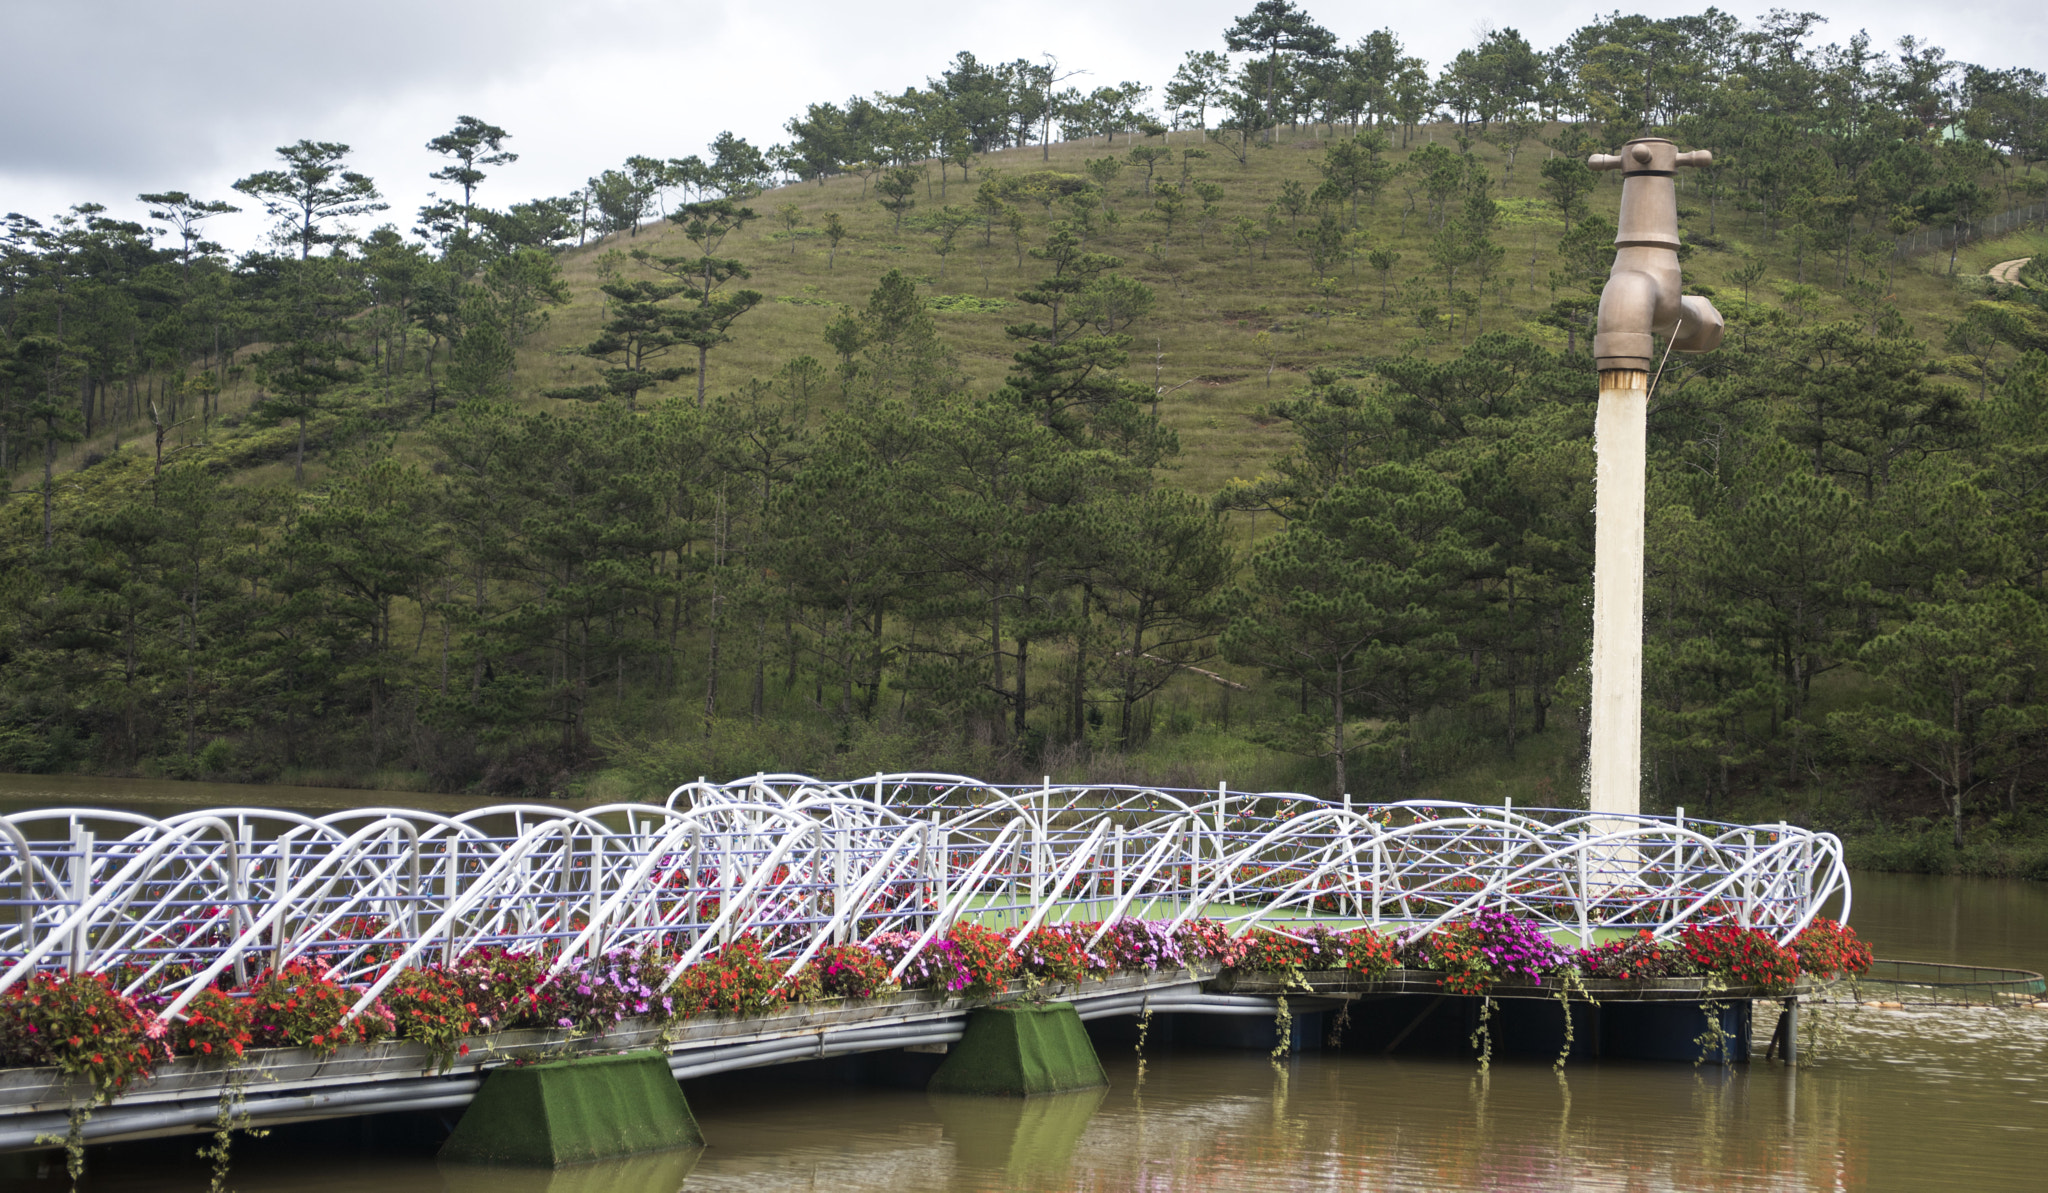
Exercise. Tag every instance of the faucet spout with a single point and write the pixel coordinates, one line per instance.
(1644, 296)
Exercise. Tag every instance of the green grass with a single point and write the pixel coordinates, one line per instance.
(1212, 302)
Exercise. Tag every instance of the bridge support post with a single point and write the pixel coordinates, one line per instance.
(1021, 1049)
(572, 1111)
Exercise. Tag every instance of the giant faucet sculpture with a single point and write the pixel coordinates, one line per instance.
(1641, 301)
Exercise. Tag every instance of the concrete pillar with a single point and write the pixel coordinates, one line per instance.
(574, 1111)
(1020, 1049)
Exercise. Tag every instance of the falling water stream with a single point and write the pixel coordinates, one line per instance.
(1893, 1099)
(1616, 700)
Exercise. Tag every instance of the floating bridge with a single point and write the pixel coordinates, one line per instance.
(180, 903)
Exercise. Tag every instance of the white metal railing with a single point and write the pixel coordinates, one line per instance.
(176, 903)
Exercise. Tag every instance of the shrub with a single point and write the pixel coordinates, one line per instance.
(1493, 945)
(1277, 952)
(429, 1006)
(1638, 958)
(81, 1024)
(1741, 956)
(985, 954)
(597, 994)
(215, 1026)
(1141, 946)
(1827, 948)
(850, 971)
(938, 967)
(1059, 954)
(1207, 940)
(1368, 953)
(303, 1007)
(507, 990)
(738, 977)
(1515, 947)
(1450, 950)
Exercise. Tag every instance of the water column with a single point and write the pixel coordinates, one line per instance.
(1620, 427)
(1641, 302)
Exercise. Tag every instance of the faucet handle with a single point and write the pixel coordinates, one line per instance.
(1603, 161)
(1697, 157)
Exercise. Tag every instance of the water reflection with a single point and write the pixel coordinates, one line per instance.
(1963, 921)
(1898, 1100)
(159, 1168)
(1022, 1142)
(663, 1172)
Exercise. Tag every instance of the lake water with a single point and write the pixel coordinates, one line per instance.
(1913, 1099)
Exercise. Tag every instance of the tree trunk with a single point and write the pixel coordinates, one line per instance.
(191, 700)
(1080, 715)
(996, 680)
(1023, 681)
(846, 661)
(49, 481)
(760, 665)
(717, 599)
(874, 663)
(1337, 725)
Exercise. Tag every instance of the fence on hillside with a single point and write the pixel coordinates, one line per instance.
(1946, 236)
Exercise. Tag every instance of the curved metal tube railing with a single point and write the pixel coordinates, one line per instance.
(801, 864)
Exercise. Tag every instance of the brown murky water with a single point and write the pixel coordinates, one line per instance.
(1948, 1099)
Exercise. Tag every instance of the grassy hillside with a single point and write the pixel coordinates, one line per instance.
(1237, 324)
(1214, 300)
(1201, 344)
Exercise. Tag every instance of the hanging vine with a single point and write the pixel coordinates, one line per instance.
(224, 1128)
(1482, 1036)
(1714, 1041)
(1283, 1031)
(1144, 1027)
(1570, 979)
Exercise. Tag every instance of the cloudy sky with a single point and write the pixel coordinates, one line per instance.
(104, 99)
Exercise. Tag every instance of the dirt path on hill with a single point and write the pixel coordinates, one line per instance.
(2008, 272)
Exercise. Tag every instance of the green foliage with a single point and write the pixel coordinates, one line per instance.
(965, 304)
(302, 1007)
(738, 978)
(80, 1025)
(430, 1007)
(850, 971)
(312, 189)
(215, 1027)
(973, 543)
(985, 955)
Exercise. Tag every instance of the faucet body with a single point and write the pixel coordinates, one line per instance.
(1643, 297)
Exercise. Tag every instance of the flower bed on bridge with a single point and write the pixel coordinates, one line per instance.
(83, 1026)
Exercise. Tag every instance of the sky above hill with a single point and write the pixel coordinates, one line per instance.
(104, 99)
